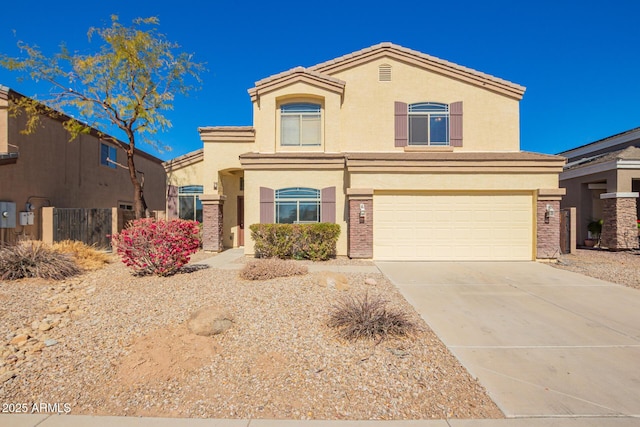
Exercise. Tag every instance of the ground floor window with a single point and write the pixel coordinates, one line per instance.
(190, 206)
(297, 205)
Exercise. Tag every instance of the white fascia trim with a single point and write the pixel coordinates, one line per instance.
(619, 195)
(628, 164)
(588, 170)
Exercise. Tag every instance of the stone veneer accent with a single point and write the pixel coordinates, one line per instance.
(547, 230)
(360, 232)
(212, 222)
(619, 228)
(548, 227)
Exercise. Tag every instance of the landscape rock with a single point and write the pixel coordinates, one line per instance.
(7, 376)
(327, 279)
(210, 321)
(21, 338)
(50, 342)
(370, 281)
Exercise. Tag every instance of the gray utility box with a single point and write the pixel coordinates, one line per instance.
(7, 215)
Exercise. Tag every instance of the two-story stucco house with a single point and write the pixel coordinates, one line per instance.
(414, 157)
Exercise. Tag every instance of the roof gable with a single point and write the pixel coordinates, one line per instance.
(322, 73)
(298, 74)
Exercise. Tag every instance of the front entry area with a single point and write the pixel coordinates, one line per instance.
(453, 226)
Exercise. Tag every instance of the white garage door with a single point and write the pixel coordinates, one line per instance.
(470, 227)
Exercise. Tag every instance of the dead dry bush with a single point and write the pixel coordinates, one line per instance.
(271, 268)
(368, 317)
(86, 257)
(35, 259)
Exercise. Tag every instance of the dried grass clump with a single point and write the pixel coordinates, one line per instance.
(270, 268)
(86, 257)
(35, 259)
(368, 317)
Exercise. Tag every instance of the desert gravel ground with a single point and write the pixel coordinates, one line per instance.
(617, 267)
(111, 343)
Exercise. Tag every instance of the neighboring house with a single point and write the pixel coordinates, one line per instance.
(414, 157)
(45, 168)
(602, 180)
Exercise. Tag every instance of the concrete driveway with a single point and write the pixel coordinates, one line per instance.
(544, 342)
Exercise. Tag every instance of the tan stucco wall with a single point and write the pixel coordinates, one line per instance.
(364, 119)
(490, 120)
(56, 172)
(221, 156)
(277, 179)
(453, 182)
(190, 174)
(4, 126)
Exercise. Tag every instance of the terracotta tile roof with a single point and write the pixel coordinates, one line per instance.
(299, 70)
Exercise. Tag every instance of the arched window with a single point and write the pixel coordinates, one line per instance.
(300, 124)
(428, 124)
(190, 206)
(297, 205)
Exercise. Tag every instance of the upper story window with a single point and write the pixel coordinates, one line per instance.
(108, 155)
(300, 124)
(297, 205)
(190, 206)
(428, 124)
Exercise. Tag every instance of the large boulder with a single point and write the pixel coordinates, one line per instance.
(210, 321)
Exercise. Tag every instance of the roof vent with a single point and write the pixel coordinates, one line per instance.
(384, 73)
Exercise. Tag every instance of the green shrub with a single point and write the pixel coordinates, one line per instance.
(368, 317)
(315, 241)
(271, 268)
(35, 259)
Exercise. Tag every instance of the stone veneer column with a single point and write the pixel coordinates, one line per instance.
(548, 223)
(619, 228)
(212, 222)
(360, 234)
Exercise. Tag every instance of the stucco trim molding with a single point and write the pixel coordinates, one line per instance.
(293, 161)
(548, 194)
(212, 199)
(240, 134)
(619, 195)
(295, 75)
(359, 193)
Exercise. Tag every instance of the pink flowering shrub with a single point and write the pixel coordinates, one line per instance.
(157, 247)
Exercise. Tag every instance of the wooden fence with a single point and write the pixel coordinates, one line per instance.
(91, 226)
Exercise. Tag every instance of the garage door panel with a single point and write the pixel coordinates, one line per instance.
(453, 227)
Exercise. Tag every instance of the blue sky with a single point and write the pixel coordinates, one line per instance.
(578, 59)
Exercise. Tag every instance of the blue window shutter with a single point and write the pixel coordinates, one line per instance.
(401, 124)
(266, 205)
(455, 122)
(328, 205)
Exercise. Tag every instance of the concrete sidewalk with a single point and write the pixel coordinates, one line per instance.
(90, 421)
(544, 342)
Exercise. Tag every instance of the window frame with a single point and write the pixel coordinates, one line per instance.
(301, 110)
(430, 112)
(192, 192)
(109, 160)
(296, 196)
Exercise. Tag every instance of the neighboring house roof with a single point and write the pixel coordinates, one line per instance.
(184, 160)
(629, 153)
(611, 143)
(321, 73)
(6, 93)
